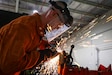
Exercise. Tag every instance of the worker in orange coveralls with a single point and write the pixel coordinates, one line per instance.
(20, 39)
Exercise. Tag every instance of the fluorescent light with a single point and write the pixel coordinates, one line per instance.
(109, 18)
(103, 16)
(35, 11)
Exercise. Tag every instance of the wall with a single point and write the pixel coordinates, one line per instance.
(93, 43)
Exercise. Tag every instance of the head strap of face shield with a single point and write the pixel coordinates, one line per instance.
(66, 14)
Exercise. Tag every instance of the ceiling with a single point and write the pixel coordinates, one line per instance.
(83, 11)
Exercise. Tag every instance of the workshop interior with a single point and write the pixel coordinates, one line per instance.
(85, 47)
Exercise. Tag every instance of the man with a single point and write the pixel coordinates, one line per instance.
(20, 39)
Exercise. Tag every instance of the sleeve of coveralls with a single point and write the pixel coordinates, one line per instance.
(19, 53)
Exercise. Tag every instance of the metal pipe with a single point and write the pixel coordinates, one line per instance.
(17, 6)
(97, 49)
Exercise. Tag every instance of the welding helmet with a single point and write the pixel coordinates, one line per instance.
(62, 7)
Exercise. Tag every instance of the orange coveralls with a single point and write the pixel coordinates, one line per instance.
(18, 43)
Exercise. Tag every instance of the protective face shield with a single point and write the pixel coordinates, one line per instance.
(62, 7)
(54, 21)
(57, 16)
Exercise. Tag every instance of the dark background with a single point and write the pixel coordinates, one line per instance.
(7, 16)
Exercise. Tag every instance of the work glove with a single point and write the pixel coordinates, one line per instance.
(45, 54)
